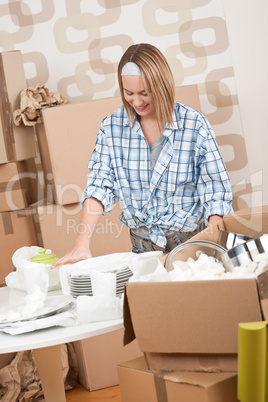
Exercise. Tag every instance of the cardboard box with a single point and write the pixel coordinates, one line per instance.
(6, 359)
(16, 230)
(18, 185)
(67, 138)
(196, 322)
(137, 383)
(58, 226)
(249, 221)
(99, 356)
(16, 143)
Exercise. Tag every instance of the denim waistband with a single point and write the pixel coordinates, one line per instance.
(173, 240)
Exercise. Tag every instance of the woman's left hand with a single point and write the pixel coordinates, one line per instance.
(214, 218)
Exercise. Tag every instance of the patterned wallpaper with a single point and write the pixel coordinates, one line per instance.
(74, 46)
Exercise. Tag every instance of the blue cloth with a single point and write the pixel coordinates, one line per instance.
(188, 184)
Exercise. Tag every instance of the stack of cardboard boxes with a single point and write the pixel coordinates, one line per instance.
(188, 331)
(18, 174)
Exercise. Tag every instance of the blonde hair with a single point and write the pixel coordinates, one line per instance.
(155, 69)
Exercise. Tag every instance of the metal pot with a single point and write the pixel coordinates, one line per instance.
(231, 239)
(249, 250)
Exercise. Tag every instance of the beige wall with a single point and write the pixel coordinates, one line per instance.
(248, 38)
(74, 47)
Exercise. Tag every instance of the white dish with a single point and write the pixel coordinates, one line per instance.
(52, 305)
(81, 284)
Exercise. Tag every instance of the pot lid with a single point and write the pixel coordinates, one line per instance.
(45, 257)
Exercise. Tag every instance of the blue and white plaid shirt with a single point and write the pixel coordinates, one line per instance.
(188, 184)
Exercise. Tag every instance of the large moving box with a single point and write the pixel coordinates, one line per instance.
(99, 356)
(67, 138)
(137, 383)
(193, 325)
(16, 143)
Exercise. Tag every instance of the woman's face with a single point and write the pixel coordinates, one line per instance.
(138, 96)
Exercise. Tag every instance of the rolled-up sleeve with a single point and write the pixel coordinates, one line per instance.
(214, 185)
(101, 182)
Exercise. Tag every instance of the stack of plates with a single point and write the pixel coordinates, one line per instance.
(81, 285)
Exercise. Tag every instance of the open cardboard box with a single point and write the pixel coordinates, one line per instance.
(137, 383)
(193, 325)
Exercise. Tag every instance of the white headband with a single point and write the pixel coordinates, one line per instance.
(131, 68)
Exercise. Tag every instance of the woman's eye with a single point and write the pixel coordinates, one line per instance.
(131, 93)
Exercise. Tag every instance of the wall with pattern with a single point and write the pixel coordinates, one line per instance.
(74, 46)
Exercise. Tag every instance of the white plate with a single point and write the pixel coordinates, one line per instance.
(82, 286)
(51, 305)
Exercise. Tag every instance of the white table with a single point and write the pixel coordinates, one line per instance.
(46, 344)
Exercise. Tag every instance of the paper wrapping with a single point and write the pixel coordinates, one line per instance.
(20, 379)
(32, 100)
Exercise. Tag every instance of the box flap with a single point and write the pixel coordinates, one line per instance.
(209, 387)
(203, 380)
(262, 282)
(191, 317)
(129, 334)
(138, 363)
(264, 307)
(249, 221)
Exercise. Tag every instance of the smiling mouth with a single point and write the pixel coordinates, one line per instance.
(141, 109)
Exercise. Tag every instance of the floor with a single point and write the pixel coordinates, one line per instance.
(80, 394)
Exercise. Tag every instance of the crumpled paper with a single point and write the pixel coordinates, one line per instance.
(32, 100)
(20, 381)
(203, 268)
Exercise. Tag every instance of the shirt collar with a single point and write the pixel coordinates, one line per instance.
(175, 125)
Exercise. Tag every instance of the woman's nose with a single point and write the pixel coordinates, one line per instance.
(138, 101)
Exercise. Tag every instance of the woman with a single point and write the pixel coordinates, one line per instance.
(158, 158)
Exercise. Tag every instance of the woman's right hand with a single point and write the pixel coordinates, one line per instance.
(91, 213)
(78, 253)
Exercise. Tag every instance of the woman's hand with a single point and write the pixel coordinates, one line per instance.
(78, 253)
(91, 213)
(214, 218)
